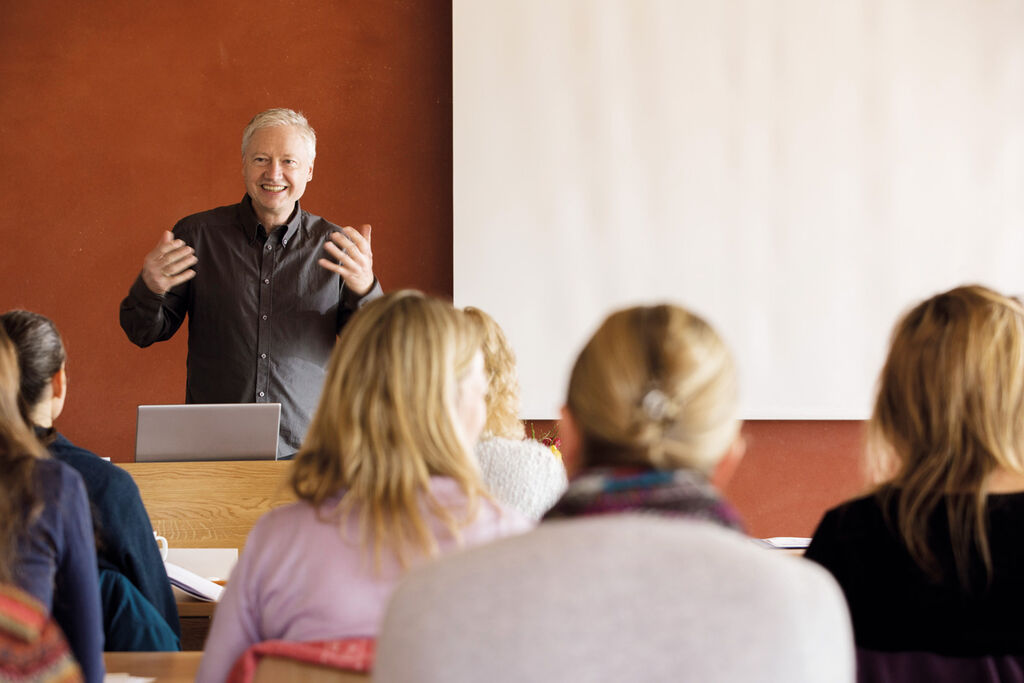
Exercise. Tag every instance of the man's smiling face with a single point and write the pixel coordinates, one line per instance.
(276, 166)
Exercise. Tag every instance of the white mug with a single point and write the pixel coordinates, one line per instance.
(162, 542)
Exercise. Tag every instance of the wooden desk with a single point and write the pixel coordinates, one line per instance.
(209, 504)
(195, 617)
(165, 667)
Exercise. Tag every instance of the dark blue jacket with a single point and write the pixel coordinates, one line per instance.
(124, 534)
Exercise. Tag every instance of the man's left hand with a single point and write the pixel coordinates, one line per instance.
(353, 258)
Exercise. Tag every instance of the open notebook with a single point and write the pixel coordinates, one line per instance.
(204, 431)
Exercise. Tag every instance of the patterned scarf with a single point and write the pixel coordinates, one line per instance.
(670, 493)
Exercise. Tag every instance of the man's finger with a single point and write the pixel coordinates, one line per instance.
(172, 250)
(181, 277)
(176, 266)
(355, 237)
(334, 267)
(335, 250)
(365, 229)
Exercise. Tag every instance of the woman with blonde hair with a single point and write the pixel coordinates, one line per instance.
(385, 480)
(46, 550)
(932, 560)
(652, 416)
(521, 473)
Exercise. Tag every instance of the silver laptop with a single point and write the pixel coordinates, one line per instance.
(207, 431)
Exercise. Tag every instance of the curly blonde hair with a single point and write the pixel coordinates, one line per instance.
(655, 386)
(386, 423)
(502, 383)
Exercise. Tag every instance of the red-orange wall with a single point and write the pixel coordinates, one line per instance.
(793, 471)
(119, 117)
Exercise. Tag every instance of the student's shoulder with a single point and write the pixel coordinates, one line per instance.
(851, 526)
(288, 519)
(93, 469)
(519, 454)
(865, 508)
(57, 481)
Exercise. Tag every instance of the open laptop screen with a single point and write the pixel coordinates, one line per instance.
(204, 431)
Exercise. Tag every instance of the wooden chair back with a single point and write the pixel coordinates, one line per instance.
(273, 669)
(210, 504)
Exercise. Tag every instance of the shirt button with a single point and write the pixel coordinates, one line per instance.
(266, 281)
(269, 248)
(262, 394)
(264, 317)
(263, 355)
(284, 241)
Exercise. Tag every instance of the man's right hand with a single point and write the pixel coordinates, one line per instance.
(168, 265)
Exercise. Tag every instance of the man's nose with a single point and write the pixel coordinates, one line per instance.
(274, 168)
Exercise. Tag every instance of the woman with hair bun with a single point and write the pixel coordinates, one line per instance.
(521, 473)
(652, 416)
(932, 561)
(385, 481)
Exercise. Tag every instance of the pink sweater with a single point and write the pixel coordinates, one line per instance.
(300, 580)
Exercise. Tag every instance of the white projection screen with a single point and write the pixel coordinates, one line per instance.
(799, 173)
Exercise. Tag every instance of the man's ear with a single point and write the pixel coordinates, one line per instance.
(730, 462)
(310, 172)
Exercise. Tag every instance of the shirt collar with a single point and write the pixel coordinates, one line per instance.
(251, 224)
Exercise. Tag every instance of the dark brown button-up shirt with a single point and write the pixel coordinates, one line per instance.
(262, 315)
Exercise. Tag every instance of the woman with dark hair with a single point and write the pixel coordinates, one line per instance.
(138, 606)
(46, 546)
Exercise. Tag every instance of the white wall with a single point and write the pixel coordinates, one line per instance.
(797, 172)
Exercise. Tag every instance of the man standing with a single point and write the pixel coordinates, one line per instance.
(266, 286)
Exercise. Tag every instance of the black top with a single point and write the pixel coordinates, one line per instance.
(896, 607)
(262, 315)
(124, 534)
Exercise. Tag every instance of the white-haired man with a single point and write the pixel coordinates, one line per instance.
(266, 285)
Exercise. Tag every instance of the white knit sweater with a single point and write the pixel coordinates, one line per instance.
(524, 475)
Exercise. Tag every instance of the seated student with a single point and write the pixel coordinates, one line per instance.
(521, 473)
(139, 610)
(46, 543)
(932, 561)
(668, 590)
(652, 416)
(385, 480)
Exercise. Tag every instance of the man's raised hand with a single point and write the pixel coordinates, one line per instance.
(353, 258)
(169, 264)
